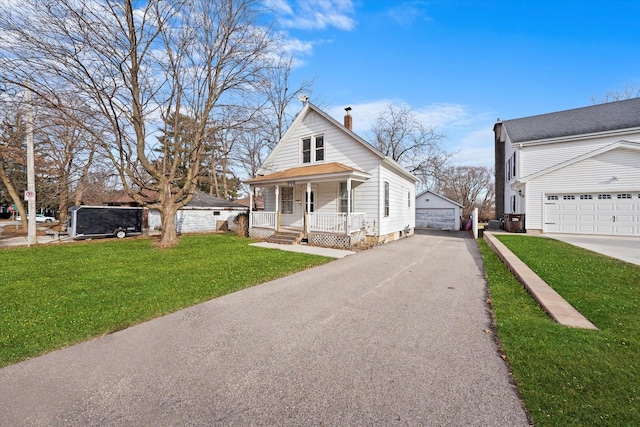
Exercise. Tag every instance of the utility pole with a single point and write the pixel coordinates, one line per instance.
(30, 194)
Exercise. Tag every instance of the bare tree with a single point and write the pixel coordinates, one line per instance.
(630, 91)
(138, 63)
(471, 186)
(273, 118)
(12, 153)
(398, 133)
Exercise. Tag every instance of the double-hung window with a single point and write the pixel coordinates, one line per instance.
(386, 198)
(313, 149)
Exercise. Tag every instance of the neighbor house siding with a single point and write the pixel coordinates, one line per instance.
(540, 157)
(591, 175)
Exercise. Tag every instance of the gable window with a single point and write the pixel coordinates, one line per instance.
(313, 149)
(306, 150)
(386, 198)
(319, 148)
(286, 201)
(343, 194)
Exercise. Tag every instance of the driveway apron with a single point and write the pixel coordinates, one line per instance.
(396, 335)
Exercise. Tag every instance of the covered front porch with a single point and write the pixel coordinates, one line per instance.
(315, 201)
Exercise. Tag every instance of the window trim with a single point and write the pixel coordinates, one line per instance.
(343, 208)
(387, 193)
(284, 200)
(314, 152)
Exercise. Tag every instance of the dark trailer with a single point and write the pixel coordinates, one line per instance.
(104, 221)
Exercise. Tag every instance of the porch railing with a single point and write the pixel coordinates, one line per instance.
(263, 219)
(334, 222)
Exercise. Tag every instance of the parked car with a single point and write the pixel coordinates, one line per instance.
(40, 218)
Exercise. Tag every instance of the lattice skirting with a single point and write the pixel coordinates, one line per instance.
(261, 233)
(336, 240)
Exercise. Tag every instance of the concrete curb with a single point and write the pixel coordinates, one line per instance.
(551, 302)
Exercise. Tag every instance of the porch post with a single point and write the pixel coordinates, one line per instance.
(348, 227)
(250, 204)
(307, 210)
(277, 192)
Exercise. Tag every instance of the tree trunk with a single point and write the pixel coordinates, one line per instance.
(16, 200)
(63, 205)
(169, 236)
(168, 209)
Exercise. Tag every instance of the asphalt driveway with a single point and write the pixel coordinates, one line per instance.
(397, 335)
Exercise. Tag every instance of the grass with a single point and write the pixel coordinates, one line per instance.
(571, 377)
(54, 296)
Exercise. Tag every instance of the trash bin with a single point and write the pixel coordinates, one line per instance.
(514, 223)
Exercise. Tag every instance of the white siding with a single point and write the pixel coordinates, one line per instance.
(339, 147)
(539, 157)
(588, 176)
(202, 220)
(401, 215)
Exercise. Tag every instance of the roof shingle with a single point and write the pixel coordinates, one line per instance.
(579, 121)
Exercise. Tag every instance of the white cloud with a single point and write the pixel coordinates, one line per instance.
(408, 13)
(279, 6)
(313, 14)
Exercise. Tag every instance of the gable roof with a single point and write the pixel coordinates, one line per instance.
(619, 144)
(308, 107)
(204, 200)
(606, 117)
(438, 195)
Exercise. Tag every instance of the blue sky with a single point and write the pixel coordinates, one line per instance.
(461, 64)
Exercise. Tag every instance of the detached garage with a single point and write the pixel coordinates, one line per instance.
(436, 211)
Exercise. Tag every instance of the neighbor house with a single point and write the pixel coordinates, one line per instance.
(573, 171)
(324, 183)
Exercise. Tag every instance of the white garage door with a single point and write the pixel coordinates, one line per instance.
(442, 218)
(601, 213)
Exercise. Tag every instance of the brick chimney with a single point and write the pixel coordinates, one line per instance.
(348, 120)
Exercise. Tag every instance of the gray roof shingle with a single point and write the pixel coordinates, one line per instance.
(203, 200)
(579, 121)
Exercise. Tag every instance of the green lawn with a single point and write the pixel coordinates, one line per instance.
(571, 377)
(53, 296)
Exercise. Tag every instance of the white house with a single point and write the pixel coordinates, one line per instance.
(203, 214)
(436, 211)
(332, 187)
(574, 171)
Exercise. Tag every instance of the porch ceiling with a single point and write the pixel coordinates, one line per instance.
(314, 173)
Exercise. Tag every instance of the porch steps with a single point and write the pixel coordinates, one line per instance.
(285, 238)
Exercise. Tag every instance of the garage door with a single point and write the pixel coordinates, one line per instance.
(442, 218)
(600, 213)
